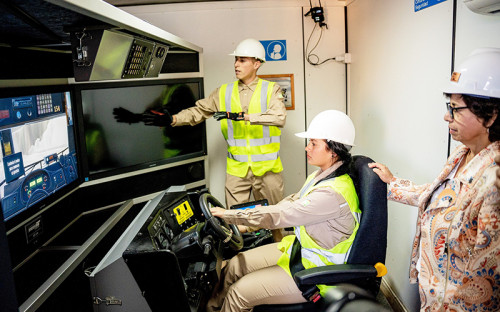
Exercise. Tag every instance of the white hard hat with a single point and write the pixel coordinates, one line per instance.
(331, 125)
(478, 75)
(250, 48)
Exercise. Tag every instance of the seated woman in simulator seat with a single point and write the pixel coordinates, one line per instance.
(325, 215)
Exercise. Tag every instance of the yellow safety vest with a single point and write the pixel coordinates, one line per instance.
(312, 254)
(249, 146)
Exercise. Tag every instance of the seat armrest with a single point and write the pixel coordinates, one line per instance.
(335, 274)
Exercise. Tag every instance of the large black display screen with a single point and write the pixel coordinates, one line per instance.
(114, 146)
(38, 148)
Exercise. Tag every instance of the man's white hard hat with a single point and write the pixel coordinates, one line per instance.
(250, 48)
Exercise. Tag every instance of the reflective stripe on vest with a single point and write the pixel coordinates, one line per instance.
(250, 146)
(266, 137)
(339, 253)
(312, 254)
(263, 157)
(332, 256)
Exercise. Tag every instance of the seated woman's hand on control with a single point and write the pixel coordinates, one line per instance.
(217, 212)
(242, 228)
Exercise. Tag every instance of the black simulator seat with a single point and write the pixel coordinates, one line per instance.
(368, 248)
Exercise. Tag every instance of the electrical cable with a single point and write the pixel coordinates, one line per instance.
(318, 18)
(309, 54)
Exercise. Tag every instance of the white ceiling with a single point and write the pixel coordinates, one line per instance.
(144, 2)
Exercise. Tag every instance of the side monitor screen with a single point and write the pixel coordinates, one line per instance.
(38, 149)
(119, 145)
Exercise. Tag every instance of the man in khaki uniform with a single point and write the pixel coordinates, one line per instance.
(251, 112)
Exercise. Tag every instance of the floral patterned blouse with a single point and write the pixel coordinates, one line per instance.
(456, 250)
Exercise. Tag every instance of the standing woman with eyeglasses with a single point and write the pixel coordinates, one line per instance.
(456, 250)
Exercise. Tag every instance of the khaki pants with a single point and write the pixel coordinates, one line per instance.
(268, 186)
(253, 278)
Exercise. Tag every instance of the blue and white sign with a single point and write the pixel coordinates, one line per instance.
(424, 4)
(275, 50)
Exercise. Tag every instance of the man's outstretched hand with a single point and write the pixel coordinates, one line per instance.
(227, 115)
(159, 118)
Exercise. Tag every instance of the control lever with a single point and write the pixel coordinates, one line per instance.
(207, 244)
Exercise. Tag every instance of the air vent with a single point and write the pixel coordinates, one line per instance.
(110, 55)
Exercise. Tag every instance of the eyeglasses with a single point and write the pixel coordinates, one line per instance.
(452, 109)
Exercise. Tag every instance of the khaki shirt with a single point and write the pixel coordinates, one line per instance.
(323, 213)
(205, 108)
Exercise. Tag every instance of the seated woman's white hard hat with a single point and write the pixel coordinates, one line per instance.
(331, 125)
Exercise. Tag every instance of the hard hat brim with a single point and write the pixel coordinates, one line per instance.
(240, 55)
(306, 135)
(302, 134)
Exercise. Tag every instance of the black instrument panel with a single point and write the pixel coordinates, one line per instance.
(173, 216)
(175, 227)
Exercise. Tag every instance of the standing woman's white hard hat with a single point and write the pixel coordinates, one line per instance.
(331, 125)
(477, 75)
(250, 48)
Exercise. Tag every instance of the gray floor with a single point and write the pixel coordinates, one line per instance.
(383, 301)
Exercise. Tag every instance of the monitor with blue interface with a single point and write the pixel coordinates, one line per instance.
(38, 158)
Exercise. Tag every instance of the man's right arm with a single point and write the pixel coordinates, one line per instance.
(203, 109)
